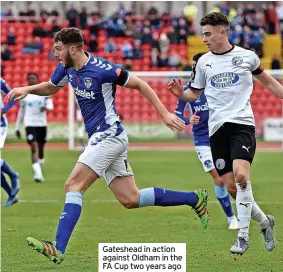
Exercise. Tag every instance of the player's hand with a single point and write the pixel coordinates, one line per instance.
(18, 134)
(194, 120)
(173, 122)
(176, 87)
(17, 93)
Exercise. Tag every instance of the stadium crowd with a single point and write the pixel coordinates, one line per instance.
(160, 31)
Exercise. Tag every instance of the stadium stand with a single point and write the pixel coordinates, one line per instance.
(141, 43)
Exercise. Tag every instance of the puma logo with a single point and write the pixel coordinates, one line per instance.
(245, 204)
(247, 148)
(209, 65)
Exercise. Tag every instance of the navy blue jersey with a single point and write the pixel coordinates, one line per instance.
(200, 131)
(5, 89)
(94, 86)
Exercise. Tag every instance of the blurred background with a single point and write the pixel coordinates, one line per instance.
(155, 39)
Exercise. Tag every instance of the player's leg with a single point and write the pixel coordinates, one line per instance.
(205, 157)
(32, 142)
(79, 180)
(41, 133)
(126, 192)
(243, 146)
(101, 151)
(224, 200)
(5, 168)
(119, 177)
(12, 198)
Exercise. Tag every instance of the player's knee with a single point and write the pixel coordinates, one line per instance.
(71, 185)
(131, 202)
(241, 177)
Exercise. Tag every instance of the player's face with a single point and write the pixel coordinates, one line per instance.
(62, 52)
(32, 80)
(213, 36)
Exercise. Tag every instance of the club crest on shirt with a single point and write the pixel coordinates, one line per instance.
(237, 61)
(88, 82)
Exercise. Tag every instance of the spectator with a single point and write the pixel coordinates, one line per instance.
(6, 54)
(271, 18)
(155, 41)
(121, 11)
(54, 13)
(137, 52)
(154, 57)
(92, 44)
(54, 28)
(137, 34)
(39, 31)
(129, 30)
(172, 35)
(164, 42)
(127, 50)
(11, 36)
(83, 18)
(110, 46)
(33, 47)
(72, 16)
(146, 36)
(163, 59)
(279, 13)
(275, 64)
(174, 59)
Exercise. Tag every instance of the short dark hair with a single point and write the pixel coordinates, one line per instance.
(215, 19)
(70, 35)
(32, 74)
(197, 56)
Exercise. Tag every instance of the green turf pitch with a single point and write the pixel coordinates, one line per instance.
(104, 220)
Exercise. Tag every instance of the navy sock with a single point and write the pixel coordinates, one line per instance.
(5, 185)
(68, 219)
(163, 197)
(224, 200)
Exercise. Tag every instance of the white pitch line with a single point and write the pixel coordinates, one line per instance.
(49, 201)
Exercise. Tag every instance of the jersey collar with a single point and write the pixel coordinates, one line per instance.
(224, 52)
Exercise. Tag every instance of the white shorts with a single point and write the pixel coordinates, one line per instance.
(107, 154)
(3, 135)
(205, 156)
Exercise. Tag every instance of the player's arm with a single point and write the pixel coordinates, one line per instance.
(270, 83)
(267, 80)
(172, 121)
(177, 89)
(48, 104)
(57, 81)
(20, 116)
(42, 89)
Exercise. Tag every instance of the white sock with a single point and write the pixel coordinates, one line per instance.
(244, 201)
(37, 170)
(259, 216)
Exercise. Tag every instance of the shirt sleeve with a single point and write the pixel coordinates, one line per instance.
(111, 73)
(256, 67)
(198, 77)
(49, 103)
(60, 77)
(4, 87)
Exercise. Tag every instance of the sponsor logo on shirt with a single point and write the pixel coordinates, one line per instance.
(223, 80)
(84, 93)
